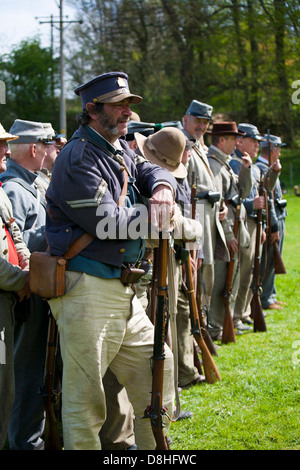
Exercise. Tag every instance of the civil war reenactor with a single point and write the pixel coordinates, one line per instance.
(166, 148)
(196, 120)
(231, 186)
(269, 159)
(100, 320)
(14, 261)
(26, 429)
(247, 143)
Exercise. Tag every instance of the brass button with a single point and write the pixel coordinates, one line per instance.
(5, 252)
(67, 230)
(122, 250)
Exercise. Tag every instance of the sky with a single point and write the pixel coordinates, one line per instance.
(20, 19)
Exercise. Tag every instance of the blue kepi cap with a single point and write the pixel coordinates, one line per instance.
(110, 87)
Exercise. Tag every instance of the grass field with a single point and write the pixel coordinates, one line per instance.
(256, 405)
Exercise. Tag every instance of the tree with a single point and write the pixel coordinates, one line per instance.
(27, 76)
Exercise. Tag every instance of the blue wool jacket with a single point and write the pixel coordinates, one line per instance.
(29, 206)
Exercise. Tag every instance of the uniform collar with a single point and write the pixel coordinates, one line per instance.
(101, 140)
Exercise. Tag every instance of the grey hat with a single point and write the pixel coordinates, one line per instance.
(275, 141)
(29, 132)
(49, 130)
(144, 128)
(200, 110)
(250, 131)
(172, 124)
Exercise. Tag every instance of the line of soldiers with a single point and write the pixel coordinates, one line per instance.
(105, 324)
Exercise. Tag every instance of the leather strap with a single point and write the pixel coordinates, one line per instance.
(84, 240)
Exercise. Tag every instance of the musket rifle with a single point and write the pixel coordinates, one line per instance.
(156, 412)
(228, 334)
(197, 278)
(210, 370)
(52, 439)
(256, 308)
(278, 261)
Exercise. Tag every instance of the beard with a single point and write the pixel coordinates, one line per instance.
(108, 124)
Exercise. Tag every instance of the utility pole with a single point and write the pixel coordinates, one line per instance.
(62, 107)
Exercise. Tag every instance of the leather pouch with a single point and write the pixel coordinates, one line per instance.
(47, 275)
(131, 275)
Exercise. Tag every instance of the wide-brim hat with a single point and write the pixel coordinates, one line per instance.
(5, 135)
(164, 148)
(225, 128)
(109, 87)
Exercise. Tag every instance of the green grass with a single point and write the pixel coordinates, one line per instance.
(290, 162)
(256, 405)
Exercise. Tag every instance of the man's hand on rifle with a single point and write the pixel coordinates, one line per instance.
(276, 166)
(274, 237)
(25, 292)
(223, 212)
(247, 161)
(233, 245)
(162, 208)
(259, 202)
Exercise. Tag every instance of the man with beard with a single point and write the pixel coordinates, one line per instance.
(96, 181)
(195, 123)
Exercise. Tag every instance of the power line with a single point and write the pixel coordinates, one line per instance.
(61, 22)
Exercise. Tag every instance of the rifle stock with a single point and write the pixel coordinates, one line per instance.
(156, 411)
(278, 261)
(52, 439)
(210, 370)
(256, 308)
(205, 333)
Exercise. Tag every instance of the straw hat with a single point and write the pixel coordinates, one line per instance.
(164, 148)
(5, 135)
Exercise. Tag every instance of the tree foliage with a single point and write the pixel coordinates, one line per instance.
(30, 75)
(240, 56)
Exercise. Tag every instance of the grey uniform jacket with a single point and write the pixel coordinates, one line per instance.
(12, 278)
(199, 173)
(230, 184)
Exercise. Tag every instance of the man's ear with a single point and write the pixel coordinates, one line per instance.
(91, 109)
(33, 150)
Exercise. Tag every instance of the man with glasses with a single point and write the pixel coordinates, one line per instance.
(31, 315)
(195, 122)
